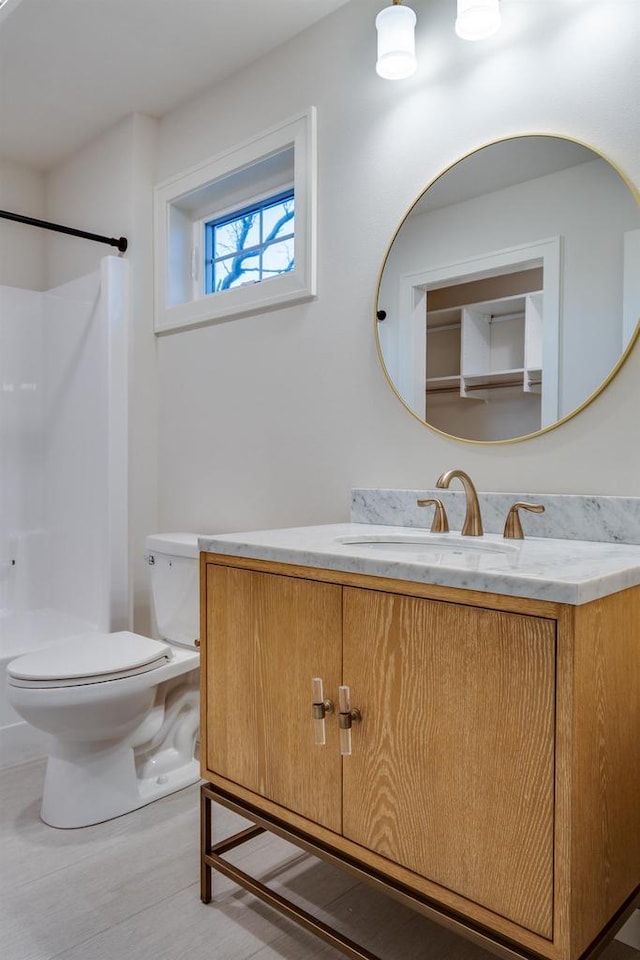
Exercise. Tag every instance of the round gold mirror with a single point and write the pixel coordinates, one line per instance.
(510, 294)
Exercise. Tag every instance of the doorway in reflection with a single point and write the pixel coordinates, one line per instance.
(484, 364)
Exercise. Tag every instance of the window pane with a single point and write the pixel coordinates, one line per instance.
(237, 234)
(278, 220)
(278, 258)
(225, 239)
(234, 271)
(255, 244)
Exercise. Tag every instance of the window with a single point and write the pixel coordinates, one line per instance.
(236, 235)
(250, 245)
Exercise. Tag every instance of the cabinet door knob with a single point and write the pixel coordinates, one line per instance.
(320, 708)
(348, 715)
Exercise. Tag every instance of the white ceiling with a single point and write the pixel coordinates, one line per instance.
(71, 68)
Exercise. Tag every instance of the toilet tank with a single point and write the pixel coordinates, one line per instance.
(173, 568)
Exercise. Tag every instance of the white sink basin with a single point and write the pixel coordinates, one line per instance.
(408, 543)
(442, 550)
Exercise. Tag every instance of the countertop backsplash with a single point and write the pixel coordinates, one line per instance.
(566, 516)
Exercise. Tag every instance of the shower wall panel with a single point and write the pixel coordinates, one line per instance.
(21, 432)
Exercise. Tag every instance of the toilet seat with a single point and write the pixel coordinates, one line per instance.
(89, 658)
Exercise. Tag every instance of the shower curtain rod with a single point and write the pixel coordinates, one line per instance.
(120, 243)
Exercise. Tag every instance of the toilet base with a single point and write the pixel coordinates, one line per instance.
(87, 786)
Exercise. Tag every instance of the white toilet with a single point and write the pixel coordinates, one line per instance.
(122, 710)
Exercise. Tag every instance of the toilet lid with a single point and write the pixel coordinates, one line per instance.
(89, 658)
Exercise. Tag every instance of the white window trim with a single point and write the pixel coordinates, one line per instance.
(293, 287)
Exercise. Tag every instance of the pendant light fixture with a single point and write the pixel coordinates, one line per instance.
(396, 42)
(477, 19)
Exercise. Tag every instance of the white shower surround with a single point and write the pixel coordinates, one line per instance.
(63, 474)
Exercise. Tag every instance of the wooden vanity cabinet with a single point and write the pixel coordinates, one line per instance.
(452, 771)
(494, 772)
(266, 637)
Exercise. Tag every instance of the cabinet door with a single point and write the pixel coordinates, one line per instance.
(452, 772)
(267, 637)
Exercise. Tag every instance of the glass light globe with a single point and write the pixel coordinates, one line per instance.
(396, 42)
(477, 19)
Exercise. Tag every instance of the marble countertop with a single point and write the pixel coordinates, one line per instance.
(564, 571)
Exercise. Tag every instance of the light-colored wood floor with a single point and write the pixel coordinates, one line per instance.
(128, 890)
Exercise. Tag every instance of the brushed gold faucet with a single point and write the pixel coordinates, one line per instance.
(472, 526)
(513, 528)
(440, 522)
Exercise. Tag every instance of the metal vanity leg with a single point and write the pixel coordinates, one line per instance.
(205, 846)
(211, 854)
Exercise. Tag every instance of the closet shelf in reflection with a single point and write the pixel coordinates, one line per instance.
(519, 377)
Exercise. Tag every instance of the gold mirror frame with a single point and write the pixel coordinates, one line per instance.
(633, 339)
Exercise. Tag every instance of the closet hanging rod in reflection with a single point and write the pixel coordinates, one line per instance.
(121, 242)
(501, 383)
(497, 317)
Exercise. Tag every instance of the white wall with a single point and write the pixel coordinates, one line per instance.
(21, 246)
(270, 420)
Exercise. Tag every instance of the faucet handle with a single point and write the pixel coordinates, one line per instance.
(513, 528)
(440, 522)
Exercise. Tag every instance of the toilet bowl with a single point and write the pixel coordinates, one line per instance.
(121, 709)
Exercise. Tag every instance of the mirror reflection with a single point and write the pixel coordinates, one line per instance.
(511, 289)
